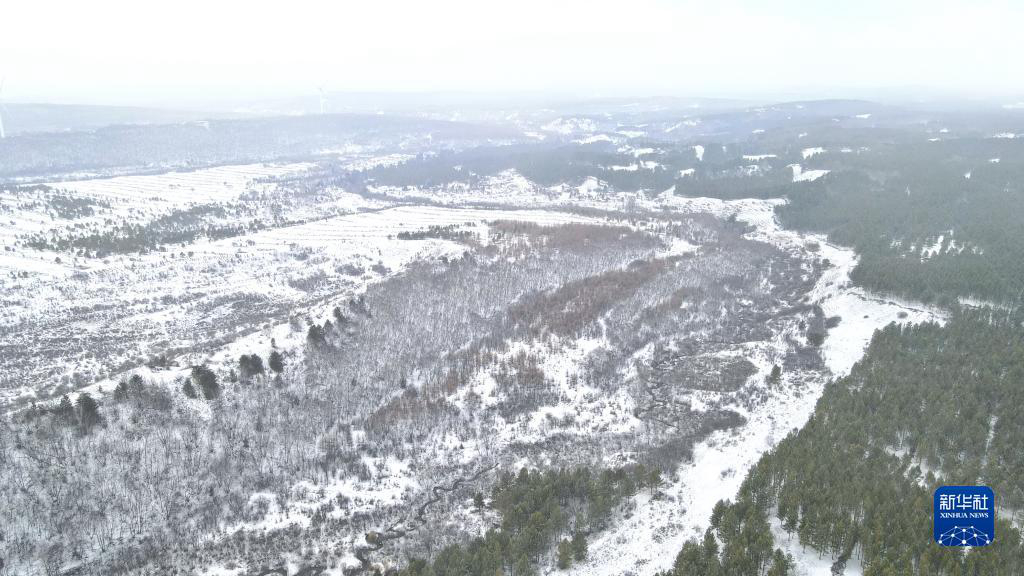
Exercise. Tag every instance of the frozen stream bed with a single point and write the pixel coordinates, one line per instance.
(650, 538)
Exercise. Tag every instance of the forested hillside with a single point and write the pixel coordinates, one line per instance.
(932, 220)
(928, 406)
(935, 220)
(212, 142)
(429, 348)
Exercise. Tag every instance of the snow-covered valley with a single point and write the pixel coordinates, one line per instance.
(466, 328)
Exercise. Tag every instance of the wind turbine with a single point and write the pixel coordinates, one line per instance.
(323, 100)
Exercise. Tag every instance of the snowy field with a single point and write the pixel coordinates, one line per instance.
(180, 299)
(101, 203)
(97, 320)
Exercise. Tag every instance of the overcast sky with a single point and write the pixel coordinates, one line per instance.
(147, 52)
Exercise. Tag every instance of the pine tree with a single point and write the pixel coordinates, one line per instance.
(250, 365)
(88, 411)
(522, 566)
(121, 391)
(690, 560)
(207, 381)
(188, 389)
(66, 411)
(136, 386)
(276, 362)
(710, 545)
(717, 512)
(782, 564)
(654, 480)
(579, 547)
(316, 335)
(564, 554)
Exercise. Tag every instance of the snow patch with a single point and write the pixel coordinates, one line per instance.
(568, 126)
(593, 139)
(801, 175)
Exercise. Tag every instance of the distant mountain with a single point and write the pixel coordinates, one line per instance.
(31, 118)
(127, 147)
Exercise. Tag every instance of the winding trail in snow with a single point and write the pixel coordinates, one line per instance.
(653, 389)
(393, 532)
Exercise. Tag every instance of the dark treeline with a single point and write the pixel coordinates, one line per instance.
(538, 509)
(449, 232)
(178, 227)
(746, 546)
(921, 227)
(221, 141)
(928, 406)
(547, 165)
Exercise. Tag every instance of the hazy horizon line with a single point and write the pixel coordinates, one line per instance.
(879, 94)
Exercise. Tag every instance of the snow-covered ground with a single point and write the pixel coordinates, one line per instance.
(267, 263)
(654, 533)
(179, 188)
(801, 175)
(135, 199)
(650, 538)
(566, 126)
(139, 305)
(580, 410)
(807, 561)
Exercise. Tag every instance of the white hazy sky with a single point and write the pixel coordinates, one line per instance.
(146, 52)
